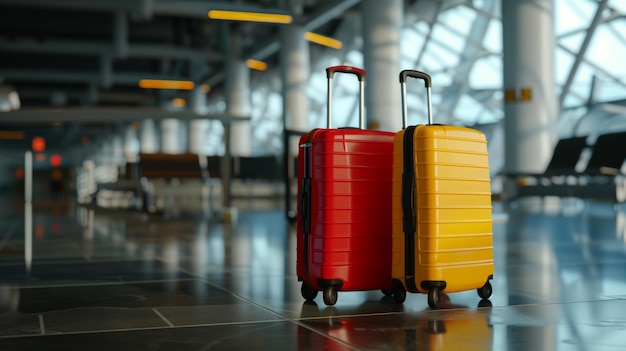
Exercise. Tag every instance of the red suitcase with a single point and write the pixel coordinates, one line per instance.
(344, 206)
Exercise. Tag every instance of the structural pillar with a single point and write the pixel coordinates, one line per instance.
(531, 107)
(238, 103)
(382, 25)
(172, 136)
(149, 137)
(295, 70)
(117, 149)
(131, 143)
(198, 128)
(237, 136)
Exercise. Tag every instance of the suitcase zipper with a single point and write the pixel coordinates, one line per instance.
(305, 199)
(409, 213)
(305, 195)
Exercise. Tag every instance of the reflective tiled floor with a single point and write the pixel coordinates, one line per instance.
(115, 280)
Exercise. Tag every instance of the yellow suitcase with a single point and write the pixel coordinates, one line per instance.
(442, 221)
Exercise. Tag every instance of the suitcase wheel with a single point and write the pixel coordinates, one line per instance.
(308, 292)
(485, 291)
(399, 294)
(434, 297)
(330, 295)
(387, 292)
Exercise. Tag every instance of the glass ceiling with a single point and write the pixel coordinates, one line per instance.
(462, 50)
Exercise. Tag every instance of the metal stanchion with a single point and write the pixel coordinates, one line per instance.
(28, 210)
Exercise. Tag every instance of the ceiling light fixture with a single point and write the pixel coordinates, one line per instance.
(256, 65)
(323, 40)
(166, 84)
(12, 135)
(250, 16)
(179, 102)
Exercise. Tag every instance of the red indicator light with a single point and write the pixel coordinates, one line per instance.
(39, 144)
(55, 160)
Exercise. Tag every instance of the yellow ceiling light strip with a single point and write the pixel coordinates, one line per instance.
(323, 40)
(250, 16)
(166, 84)
(206, 88)
(12, 135)
(256, 64)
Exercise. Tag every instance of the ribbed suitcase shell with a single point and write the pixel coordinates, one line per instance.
(453, 240)
(350, 222)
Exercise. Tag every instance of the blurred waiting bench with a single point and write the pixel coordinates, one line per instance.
(157, 178)
(602, 177)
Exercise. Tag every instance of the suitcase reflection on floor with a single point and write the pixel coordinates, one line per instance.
(452, 327)
(470, 330)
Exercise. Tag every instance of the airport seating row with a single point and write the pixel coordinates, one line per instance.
(144, 182)
(194, 166)
(583, 167)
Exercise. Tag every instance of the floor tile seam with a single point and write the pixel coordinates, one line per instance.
(292, 320)
(616, 297)
(201, 325)
(167, 321)
(557, 303)
(81, 259)
(68, 285)
(289, 319)
(271, 311)
(377, 314)
(613, 297)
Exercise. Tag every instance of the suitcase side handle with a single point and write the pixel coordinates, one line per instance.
(427, 83)
(360, 74)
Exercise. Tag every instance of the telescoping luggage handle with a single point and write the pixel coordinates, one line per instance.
(427, 82)
(360, 73)
(305, 193)
(409, 213)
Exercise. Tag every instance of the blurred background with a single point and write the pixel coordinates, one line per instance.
(80, 80)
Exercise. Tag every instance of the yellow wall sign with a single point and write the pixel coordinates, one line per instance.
(525, 94)
(509, 95)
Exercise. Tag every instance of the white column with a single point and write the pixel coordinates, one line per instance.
(149, 137)
(238, 103)
(198, 128)
(106, 151)
(530, 100)
(117, 149)
(172, 136)
(294, 64)
(382, 25)
(131, 144)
